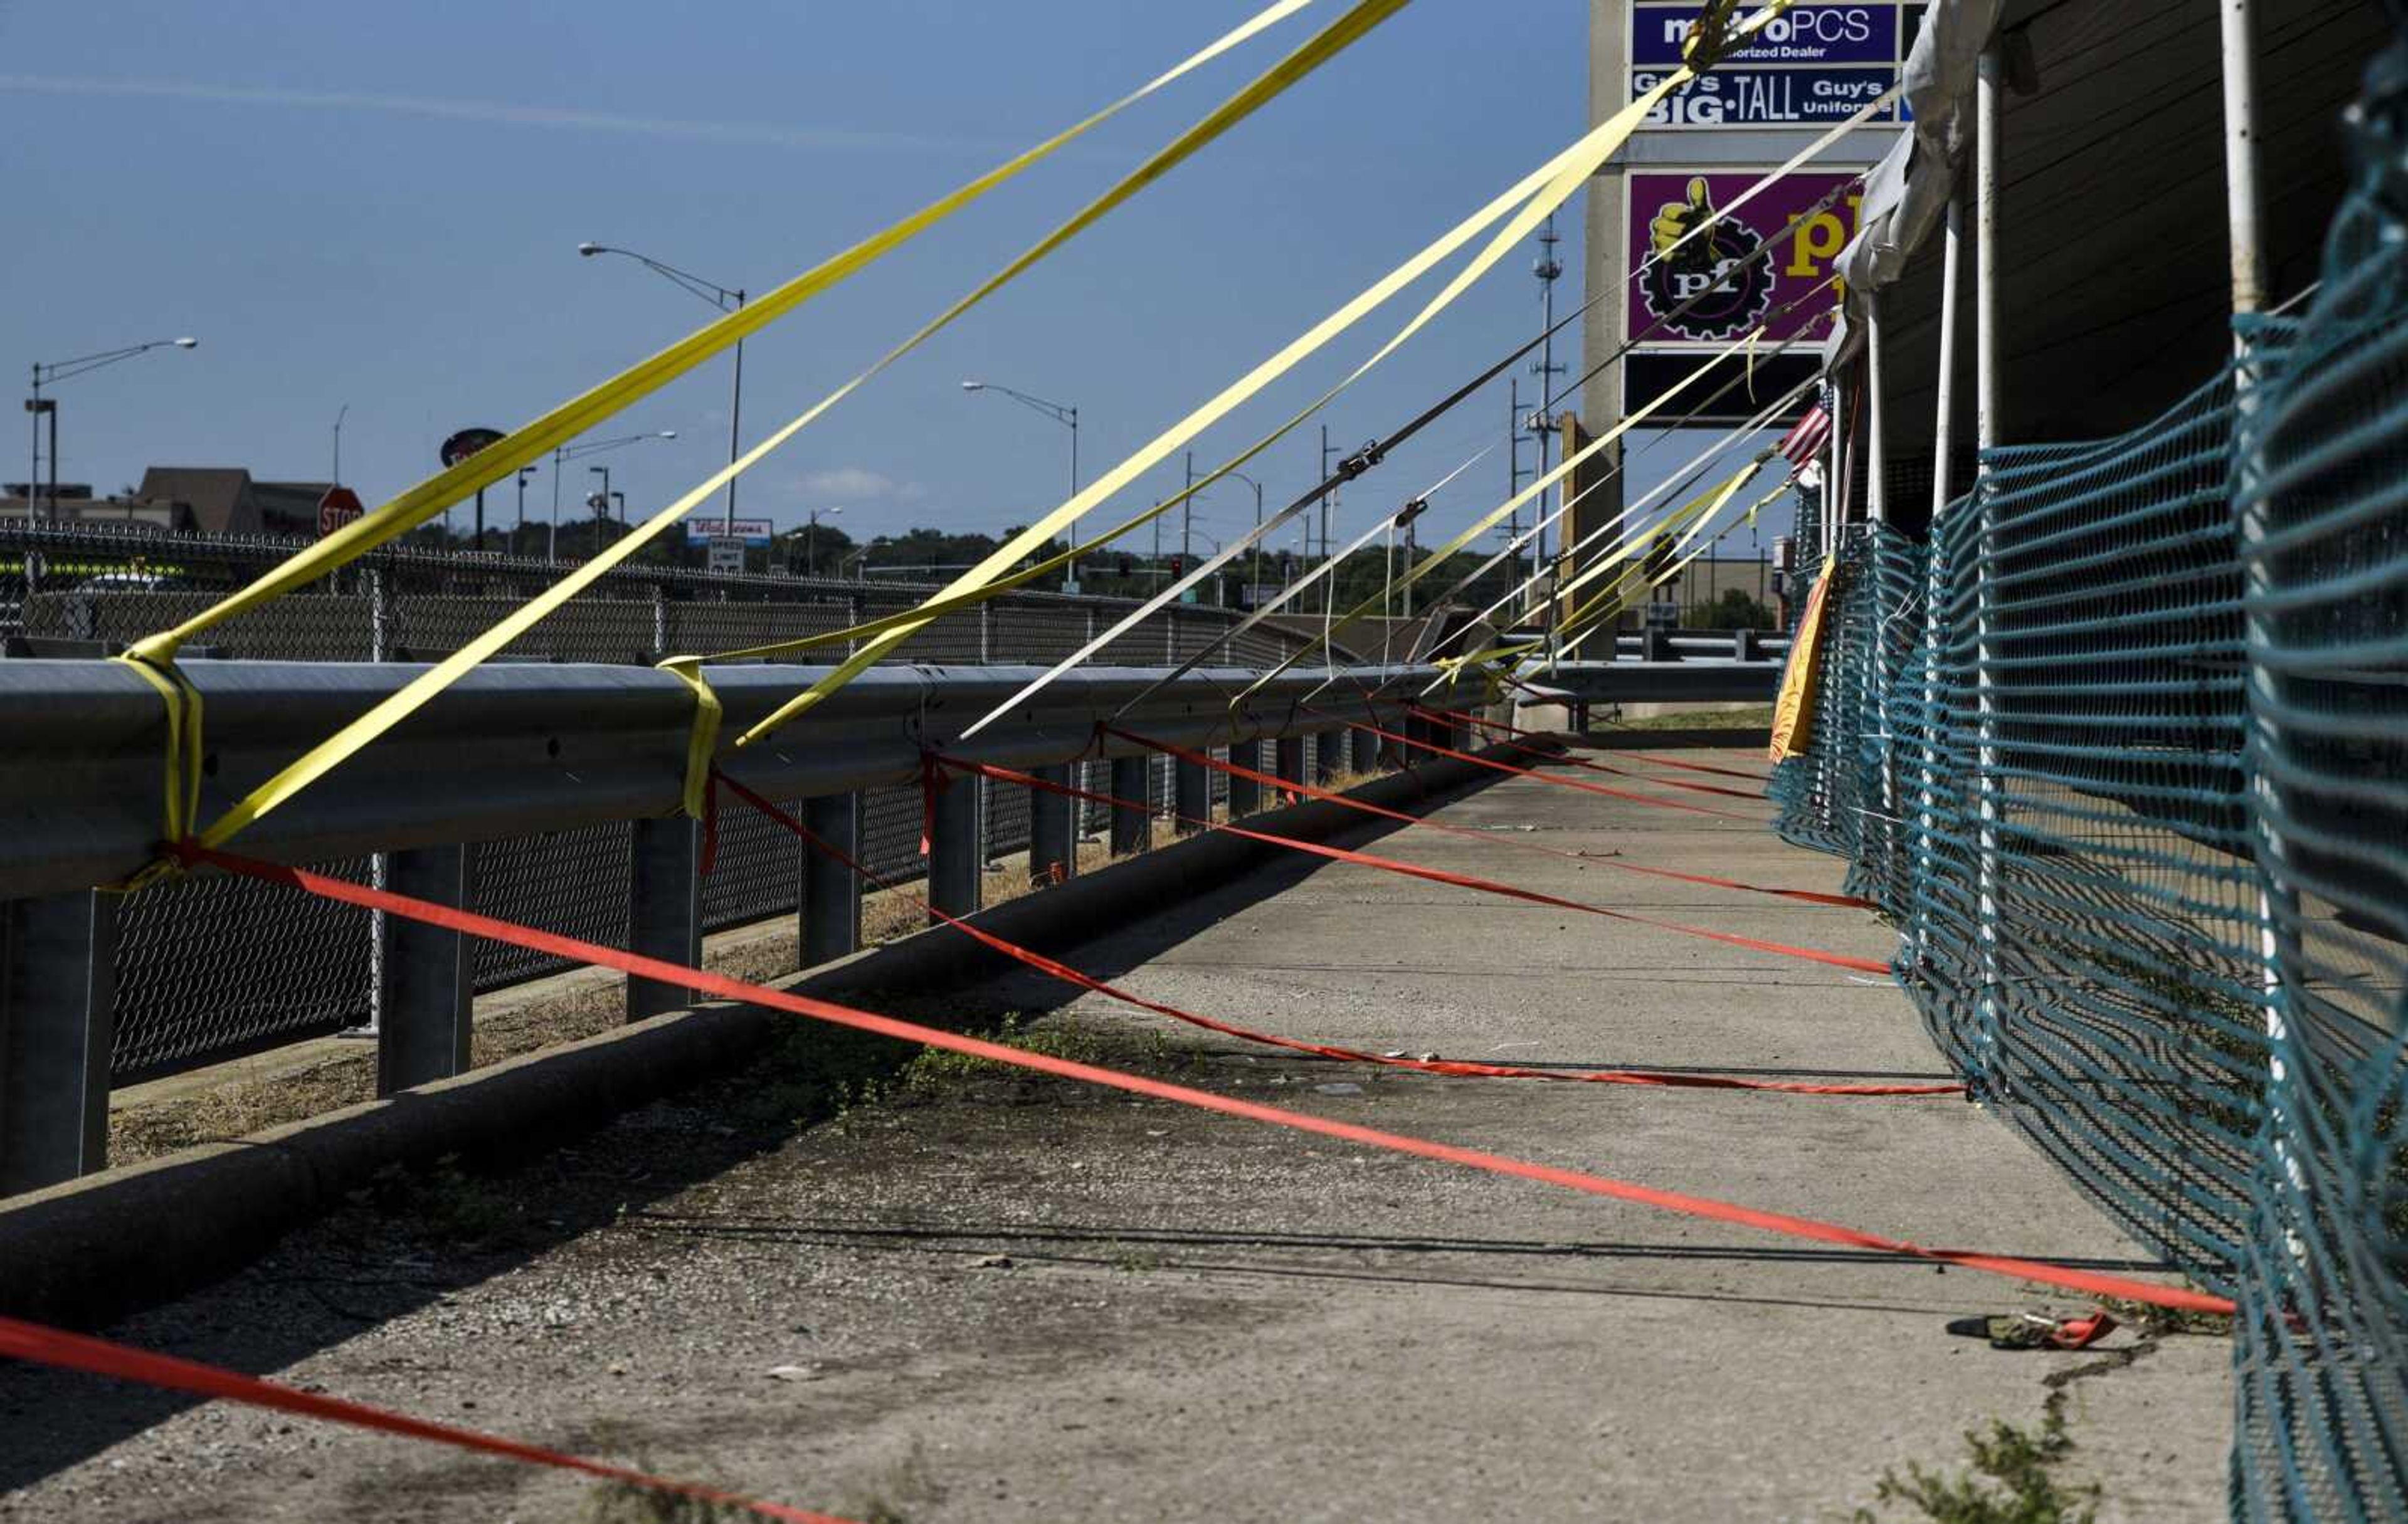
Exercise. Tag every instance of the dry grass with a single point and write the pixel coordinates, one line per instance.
(1749, 716)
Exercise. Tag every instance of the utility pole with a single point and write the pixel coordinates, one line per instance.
(1514, 471)
(1547, 268)
(1329, 581)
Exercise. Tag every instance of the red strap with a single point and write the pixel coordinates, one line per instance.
(469, 921)
(1429, 1066)
(1238, 769)
(1696, 767)
(1640, 756)
(1583, 763)
(1546, 778)
(932, 779)
(1436, 876)
(77, 1352)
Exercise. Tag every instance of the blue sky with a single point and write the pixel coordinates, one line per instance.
(379, 206)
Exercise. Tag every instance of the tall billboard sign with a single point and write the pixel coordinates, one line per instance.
(1760, 266)
(1721, 284)
(1817, 63)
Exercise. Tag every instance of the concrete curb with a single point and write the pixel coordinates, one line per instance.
(89, 1251)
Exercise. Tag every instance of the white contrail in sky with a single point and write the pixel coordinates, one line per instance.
(830, 140)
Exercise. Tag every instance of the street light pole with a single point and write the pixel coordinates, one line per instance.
(1062, 413)
(726, 299)
(570, 452)
(52, 372)
(1256, 575)
(525, 471)
(810, 537)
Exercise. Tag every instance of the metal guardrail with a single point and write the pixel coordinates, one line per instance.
(548, 792)
(514, 755)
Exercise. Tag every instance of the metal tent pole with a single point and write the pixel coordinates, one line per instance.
(1989, 108)
(1943, 450)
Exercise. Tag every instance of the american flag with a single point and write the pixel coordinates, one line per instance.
(1800, 445)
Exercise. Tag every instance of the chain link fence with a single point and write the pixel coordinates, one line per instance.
(210, 969)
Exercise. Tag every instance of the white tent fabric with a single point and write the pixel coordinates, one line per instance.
(1906, 194)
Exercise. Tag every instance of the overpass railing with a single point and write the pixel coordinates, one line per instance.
(542, 792)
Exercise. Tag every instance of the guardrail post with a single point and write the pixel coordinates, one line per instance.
(1245, 794)
(1746, 645)
(427, 978)
(1132, 823)
(1052, 828)
(1363, 751)
(1191, 795)
(664, 908)
(831, 892)
(955, 849)
(1289, 751)
(58, 993)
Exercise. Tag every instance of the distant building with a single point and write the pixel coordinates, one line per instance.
(198, 499)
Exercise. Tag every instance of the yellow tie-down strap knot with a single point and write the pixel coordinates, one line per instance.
(702, 742)
(182, 702)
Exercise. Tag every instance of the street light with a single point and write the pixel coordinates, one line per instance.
(1060, 413)
(726, 299)
(1257, 575)
(525, 471)
(811, 532)
(570, 452)
(47, 373)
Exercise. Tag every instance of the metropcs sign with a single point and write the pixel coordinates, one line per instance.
(1811, 66)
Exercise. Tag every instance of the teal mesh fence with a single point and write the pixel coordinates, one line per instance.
(2122, 751)
(2321, 1428)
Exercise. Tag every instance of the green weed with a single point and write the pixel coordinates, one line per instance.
(2008, 1483)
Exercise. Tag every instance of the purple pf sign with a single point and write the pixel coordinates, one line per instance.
(1808, 217)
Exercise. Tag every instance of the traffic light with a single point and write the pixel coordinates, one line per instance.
(1128, 567)
(1178, 565)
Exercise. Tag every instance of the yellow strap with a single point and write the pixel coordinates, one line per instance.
(935, 608)
(183, 763)
(1793, 711)
(331, 752)
(1689, 519)
(530, 440)
(1512, 505)
(1625, 589)
(703, 740)
(1541, 192)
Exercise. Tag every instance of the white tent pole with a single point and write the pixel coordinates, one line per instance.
(1876, 493)
(1990, 110)
(2241, 155)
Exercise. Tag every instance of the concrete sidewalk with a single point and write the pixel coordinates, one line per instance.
(989, 1297)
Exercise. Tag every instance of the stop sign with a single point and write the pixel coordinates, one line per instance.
(339, 507)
